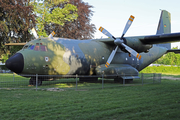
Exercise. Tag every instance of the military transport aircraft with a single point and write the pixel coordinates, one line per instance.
(121, 56)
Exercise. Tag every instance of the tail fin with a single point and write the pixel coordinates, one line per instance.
(164, 23)
(164, 27)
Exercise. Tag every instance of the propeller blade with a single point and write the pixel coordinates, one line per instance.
(133, 52)
(111, 57)
(128, 24)
(105, 32)
(34, 33)
(51, 35)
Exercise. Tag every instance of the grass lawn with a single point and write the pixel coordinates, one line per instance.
(151, 101)
(16, 81)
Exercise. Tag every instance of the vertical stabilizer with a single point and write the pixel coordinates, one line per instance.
(164, 26)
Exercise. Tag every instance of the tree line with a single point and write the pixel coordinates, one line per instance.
(68, 18)
(169, 59)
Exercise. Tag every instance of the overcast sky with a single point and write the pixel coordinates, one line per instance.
(113, 15)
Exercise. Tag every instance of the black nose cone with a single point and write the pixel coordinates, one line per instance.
(15, 63)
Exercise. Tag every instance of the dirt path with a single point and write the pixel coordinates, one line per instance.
(170, 78)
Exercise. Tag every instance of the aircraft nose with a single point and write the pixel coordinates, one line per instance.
(15, 63)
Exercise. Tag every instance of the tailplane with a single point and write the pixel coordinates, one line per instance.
(164, 26)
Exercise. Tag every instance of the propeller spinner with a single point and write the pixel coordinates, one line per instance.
(120, 42)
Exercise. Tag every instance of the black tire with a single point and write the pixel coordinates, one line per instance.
(120, 80)
(32, 81)
(88, 79)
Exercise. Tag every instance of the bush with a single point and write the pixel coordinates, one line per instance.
(4, 57)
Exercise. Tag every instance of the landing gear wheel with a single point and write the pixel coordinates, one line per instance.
(129, 80)
(39, 82)
(88, 79)
(118, 80)
(32, 81)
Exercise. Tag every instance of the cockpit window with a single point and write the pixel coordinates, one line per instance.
(31, 47)
(43, 48)
(36, 47)
(25, 47)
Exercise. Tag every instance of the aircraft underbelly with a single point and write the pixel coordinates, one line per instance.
(120, 70)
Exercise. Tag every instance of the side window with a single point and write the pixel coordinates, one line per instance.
(37, 48)
(43, 48)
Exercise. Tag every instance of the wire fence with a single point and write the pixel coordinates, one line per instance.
(74, 82)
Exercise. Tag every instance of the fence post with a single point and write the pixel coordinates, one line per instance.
(36, 81)
(76, 81)
(124, 80)
(13, 76)
(154, 77)
(102, 79)
(142, 77)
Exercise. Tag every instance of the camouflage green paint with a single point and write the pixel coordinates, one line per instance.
(35, 60)
(95, 54)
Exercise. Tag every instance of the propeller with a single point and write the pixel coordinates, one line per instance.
(51, 35)
(120, 42)
(34, 33)
(36, 36)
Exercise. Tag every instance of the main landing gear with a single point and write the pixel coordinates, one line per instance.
(32, 81)
(88, 79)
(120, 80)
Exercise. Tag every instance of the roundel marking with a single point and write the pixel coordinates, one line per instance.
(46, 59)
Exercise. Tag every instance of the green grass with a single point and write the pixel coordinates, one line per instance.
(171, 70)
(8, 81)
(152, 101)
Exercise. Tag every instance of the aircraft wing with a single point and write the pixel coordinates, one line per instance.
(109, 41)
(161, 38)
(151, 39)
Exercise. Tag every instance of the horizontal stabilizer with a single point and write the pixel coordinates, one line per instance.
(174, 50)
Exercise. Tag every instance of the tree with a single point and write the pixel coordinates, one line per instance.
(169, 59)
(16, 17)
(48, 12)
(81, 28)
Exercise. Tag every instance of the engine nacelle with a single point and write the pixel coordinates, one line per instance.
(136, 44)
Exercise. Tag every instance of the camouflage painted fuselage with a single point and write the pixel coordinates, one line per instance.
(82, 57)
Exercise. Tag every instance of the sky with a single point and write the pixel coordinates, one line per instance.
(113, 16)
